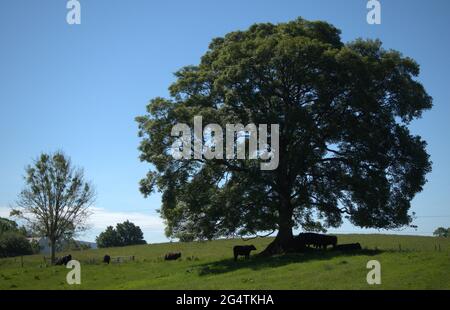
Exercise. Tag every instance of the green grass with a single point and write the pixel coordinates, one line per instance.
(407, 262)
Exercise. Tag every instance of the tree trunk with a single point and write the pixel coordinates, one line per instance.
(284, 241)
(53, 251)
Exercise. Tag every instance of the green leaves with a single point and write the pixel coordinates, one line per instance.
(124, 234)
(56, 199)
(442, 232)
(14, 244)
(345, 149)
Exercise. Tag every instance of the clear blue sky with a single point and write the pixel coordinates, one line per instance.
(78, 88)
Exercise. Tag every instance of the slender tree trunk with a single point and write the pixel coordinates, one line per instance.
(53, 251)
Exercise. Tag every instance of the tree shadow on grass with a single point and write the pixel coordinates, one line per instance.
(258, 262)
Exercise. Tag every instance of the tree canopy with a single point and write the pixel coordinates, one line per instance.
(442, 232)
(345, 150)
(55, 200)
(124, 234)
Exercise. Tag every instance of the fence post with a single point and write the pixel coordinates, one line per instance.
(21, 261)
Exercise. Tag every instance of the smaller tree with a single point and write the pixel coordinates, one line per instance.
(124, 234)
(108, 238)
(130, 234)
(56, 199)
(442, 232)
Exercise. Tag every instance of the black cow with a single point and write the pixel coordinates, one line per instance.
(243, 250)
(298, 244)
(317, 240)
(63, 260)
(172, 256)
(107, 259)
(325, 241)
(348, 247)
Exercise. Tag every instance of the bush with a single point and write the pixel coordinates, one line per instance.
(14, 244)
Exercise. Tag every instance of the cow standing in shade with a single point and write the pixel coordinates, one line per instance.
(348, 247)
(243, 250)
(317, 240)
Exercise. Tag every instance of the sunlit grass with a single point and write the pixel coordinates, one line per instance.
(407, 262)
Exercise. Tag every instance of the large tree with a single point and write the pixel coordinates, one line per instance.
(345, 150)
(56, 199)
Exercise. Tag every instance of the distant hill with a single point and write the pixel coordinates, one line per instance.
(45, 247)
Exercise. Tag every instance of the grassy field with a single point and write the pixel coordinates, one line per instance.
(407, 262)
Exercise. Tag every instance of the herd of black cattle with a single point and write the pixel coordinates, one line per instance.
(302, 241)
(320, 241)
(323, 241)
